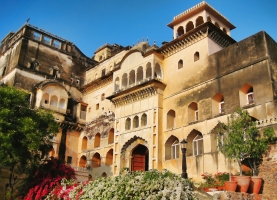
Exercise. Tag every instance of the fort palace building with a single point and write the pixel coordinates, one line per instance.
(130, 106)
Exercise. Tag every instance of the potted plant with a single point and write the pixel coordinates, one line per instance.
(259, 146)
(240, 139)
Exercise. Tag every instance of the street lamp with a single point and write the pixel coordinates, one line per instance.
(184, 158)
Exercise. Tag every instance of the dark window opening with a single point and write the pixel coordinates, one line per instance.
(69, 160)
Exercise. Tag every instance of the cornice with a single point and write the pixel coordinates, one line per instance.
(205, 30)
(136, 95)
(98, 83)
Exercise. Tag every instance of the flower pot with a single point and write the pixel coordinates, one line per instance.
(255, 184)
(230, 186)
(243, 183)
(220, 188)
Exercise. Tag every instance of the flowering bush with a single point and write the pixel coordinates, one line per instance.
(132, 185)
(215, 180)
(47, 177)
(222, 177)
(209, 179)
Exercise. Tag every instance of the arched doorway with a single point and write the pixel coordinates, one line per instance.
(140, 157)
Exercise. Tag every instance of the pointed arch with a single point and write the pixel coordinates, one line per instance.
(195, 143)
(139, 74)
(111, 136)
(189, 26)
(170, 118)
(199, 21)
(172, 148)
(180, 31)
(96, 160)
(109, 157)
(148, 70)
(158, 71)
(97, 138)
(143, 119)
(83, 161)
(84, 143)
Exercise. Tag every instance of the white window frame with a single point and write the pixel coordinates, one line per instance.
(221, 110)
(196, 115)
(247, 98)
(175, 150)
(196, 145)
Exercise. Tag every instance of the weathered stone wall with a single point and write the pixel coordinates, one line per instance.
(268, 170)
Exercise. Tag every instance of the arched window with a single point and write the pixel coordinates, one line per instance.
(180, 31)
(144, 120)
(192, 112)
(97, 140)
(54, 101)
(148, 71)
(224, 30)
(103, 72)
(109, 157)
(196, 56)
(180, 64)
(84, 143)
(83, 161)
(128, 124)
(139, 74)
(198, 145)
(199, 21)
(132, 77)
(195, 143)
(124, 81)
(104, 175)
(111, 136)
(45, 99)
(96, 160)
(172, 148)
(103, 97)
(62, 104)
(136, 122)
(218, 104)
(217, 25)
(171, 119)
(209, 19)
(158, 71)
(116, 84)
(189, 26)
(246, 95)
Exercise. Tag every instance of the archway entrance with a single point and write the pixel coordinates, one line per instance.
(140, 157)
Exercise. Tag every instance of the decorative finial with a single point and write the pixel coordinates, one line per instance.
(147, 39)
(154, 42)
(143, 39)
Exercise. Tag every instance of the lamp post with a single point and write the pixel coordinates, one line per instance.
(184, 158)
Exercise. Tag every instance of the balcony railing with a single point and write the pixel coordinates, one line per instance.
(82, 169)
(137, 83)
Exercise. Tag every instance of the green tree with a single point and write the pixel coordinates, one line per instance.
(25, 134)
(241, 139)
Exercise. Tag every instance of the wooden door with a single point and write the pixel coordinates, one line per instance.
(138, 162)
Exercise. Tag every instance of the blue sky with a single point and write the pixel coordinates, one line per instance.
(91, 23)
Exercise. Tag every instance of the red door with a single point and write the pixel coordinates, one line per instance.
(138, 162)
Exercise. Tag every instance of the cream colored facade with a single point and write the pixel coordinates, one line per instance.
(131, 106)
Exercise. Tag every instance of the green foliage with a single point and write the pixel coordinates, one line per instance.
(240, 138)
(25, 134)
(136, 185)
